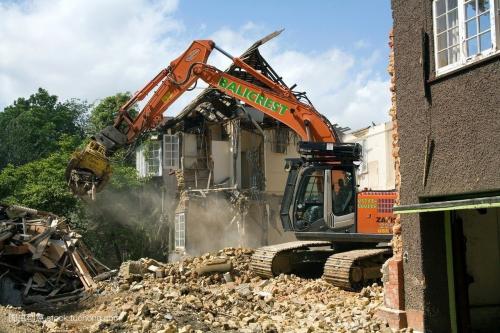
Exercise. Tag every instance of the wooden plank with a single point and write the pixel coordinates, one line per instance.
(82, 270)
(63, 267)
(16, 250)
(41, 236)
(28, 286)
(5, 235)
(63, 299)
(55, 291)
(40, 248)
(39, 279)
(47, 262)
(36, 229)
(55, 250)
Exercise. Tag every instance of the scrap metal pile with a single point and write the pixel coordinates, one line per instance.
(41, 259)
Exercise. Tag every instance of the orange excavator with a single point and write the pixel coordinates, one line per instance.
(337, 227)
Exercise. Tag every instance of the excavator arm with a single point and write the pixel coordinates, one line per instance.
(277, 102)
(89, 170)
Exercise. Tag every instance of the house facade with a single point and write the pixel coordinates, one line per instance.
(222, 178)
(446, 106)
(376, 171)
(222, 167)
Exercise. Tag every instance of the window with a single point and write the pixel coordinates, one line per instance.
(310, 198)
(280, 140)
(313, 192)
(148, 159)
(464, 31)
(170, 151)
(152, 157)
(180, 230)
(342, 188)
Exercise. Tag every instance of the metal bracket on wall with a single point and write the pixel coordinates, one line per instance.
(429, 149)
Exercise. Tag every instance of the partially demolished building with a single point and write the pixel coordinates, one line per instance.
(222, 166)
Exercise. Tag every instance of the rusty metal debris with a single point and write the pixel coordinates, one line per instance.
(41, 259)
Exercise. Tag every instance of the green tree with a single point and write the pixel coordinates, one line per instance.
(40, 184)
(31, 127)
(104, 113)
(124, 222)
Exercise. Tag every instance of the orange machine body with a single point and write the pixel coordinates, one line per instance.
(375, 212)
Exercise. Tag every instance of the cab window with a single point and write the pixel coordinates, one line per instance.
(342, 192)
(310, 197)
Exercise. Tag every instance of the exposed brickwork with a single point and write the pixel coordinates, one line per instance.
(396, 242)
(394, 287)
(395, 318)
(415, 319)
(393, 309)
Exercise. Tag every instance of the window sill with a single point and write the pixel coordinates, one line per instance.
(490, 58)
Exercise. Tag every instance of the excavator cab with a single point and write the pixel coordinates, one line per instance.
(320, 194)
(324, 199)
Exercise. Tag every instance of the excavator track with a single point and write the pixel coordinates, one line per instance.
(351, 270)
(270, 261)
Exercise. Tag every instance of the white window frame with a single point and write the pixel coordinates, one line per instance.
(180, 231)
(171, 155)
(463, 59)
(140, 163)
(144, 159)
(153, 156)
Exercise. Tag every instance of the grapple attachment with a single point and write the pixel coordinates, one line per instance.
(88, 170)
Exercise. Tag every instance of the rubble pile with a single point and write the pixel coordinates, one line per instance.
(217, 293)
(41, 260)
(230, 265)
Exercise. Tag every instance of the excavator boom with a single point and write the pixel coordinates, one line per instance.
(89, 170)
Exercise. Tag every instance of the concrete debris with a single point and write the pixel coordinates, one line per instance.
(221, 264)
(184, 301)
(42, 261)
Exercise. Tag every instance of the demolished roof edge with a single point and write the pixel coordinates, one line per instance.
(188, 108)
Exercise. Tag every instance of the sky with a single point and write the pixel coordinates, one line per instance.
(90, 49)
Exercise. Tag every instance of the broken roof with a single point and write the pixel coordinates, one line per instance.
(214, 106)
